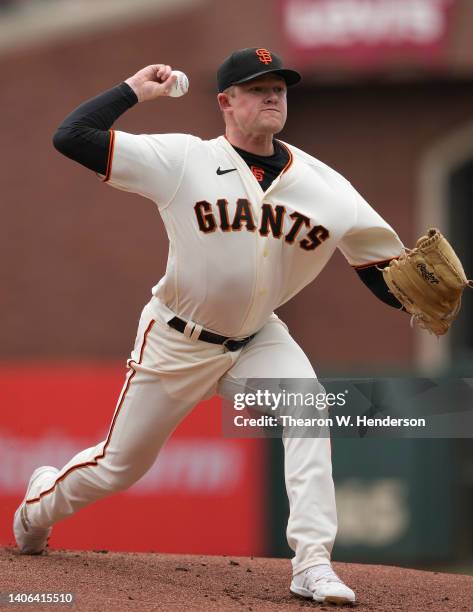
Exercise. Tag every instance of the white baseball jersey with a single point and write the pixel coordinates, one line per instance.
(238, 253)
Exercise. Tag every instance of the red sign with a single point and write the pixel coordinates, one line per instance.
(366, 33)
(204, 495)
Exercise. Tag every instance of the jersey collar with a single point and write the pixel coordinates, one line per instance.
(243, 167)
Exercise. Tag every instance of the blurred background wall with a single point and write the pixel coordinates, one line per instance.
(387, 100)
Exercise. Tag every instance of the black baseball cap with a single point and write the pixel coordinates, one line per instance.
(247, 64)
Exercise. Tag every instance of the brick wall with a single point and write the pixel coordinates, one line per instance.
(79, 258)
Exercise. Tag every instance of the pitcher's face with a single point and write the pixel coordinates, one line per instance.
(259, 106)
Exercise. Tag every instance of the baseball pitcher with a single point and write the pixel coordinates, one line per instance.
(251, 220)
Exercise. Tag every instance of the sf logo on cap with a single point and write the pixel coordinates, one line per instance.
(264, 56)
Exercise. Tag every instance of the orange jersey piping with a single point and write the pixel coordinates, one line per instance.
(111, 147)
(375, 263)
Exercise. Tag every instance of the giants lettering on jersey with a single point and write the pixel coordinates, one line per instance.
(272, 221)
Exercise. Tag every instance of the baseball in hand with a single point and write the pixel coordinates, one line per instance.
(181, 84)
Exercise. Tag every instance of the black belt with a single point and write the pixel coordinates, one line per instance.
(207, 336)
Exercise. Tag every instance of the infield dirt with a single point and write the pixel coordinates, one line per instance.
(103, 581)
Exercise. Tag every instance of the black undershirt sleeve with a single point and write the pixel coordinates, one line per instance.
(373, 278)
(83, 135)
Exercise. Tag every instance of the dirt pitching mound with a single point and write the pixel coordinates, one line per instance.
(103, 580)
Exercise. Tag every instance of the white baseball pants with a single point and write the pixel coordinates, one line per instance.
(169, 372)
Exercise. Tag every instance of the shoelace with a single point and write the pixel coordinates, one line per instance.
(313, 578)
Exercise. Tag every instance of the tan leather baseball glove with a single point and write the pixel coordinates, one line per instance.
(429, 281)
